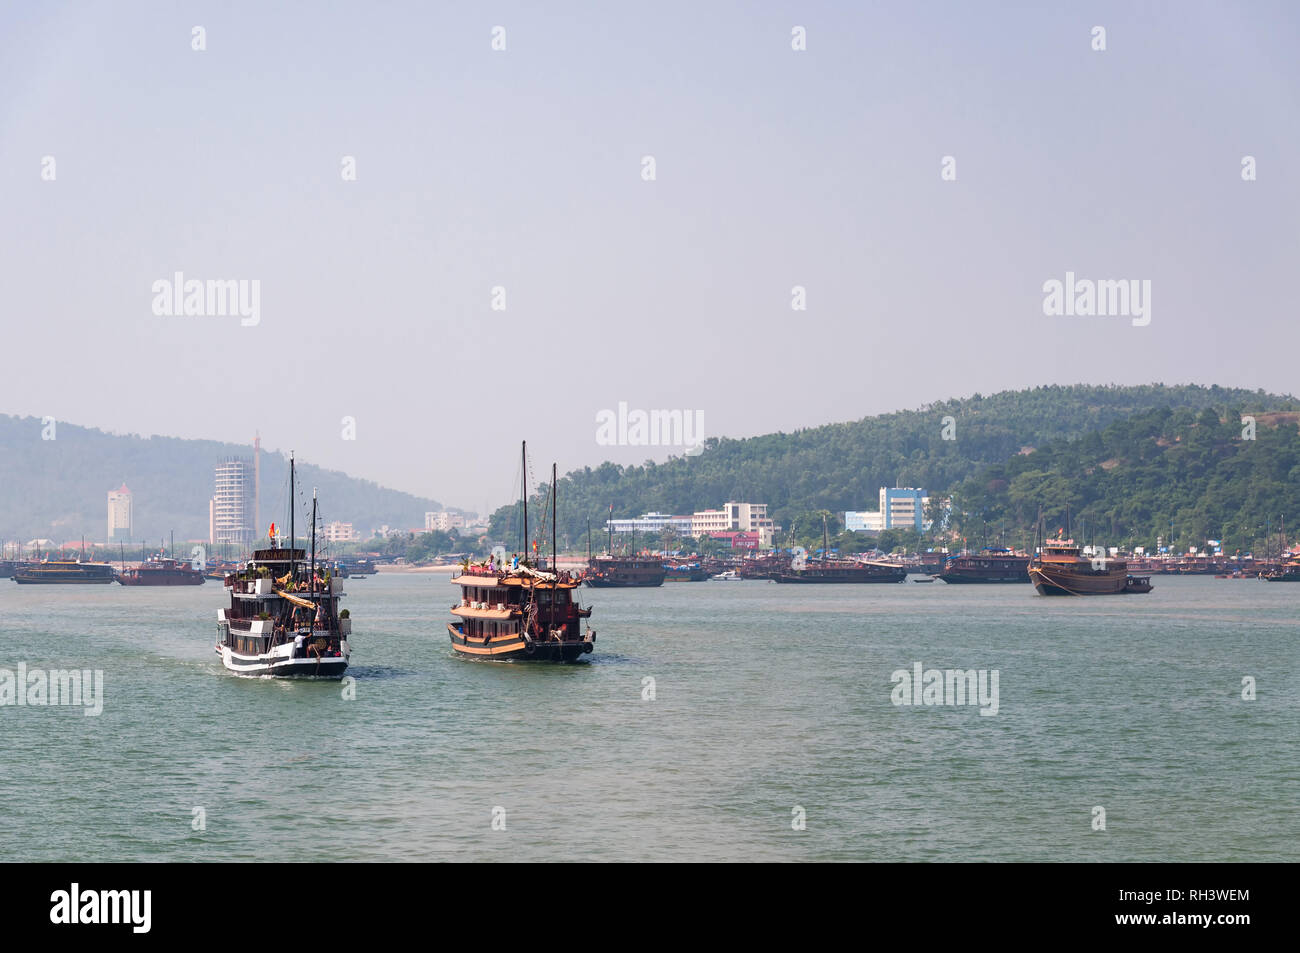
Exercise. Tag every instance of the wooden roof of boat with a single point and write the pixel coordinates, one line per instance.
(479, 576)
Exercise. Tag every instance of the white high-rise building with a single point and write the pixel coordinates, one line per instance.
(230, 512)
(119, 514)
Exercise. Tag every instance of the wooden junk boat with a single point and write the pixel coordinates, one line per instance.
(161, 571)
(825, 569)
(520, 612)
(622, 572)
(60, 572)
(284, 619)
(690, 570)
(987, 566)
(1060, 569)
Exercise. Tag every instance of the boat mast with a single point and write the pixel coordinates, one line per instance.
(555, 559)
(610, 523)
(292, 539)
(313, 538)
(588, 539)
(523, 478)
(826, 539)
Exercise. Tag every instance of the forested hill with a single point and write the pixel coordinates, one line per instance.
(1187, 476)
(58, 488)
(842, 466)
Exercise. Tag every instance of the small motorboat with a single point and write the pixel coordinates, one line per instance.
(729, 576)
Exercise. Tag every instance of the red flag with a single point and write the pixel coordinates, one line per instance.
(271, 534)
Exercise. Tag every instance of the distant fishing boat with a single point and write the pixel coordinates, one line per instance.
(1287, 571)
(624, 572)
(827, 570)
(987, 566)
(63, 572)
(160, 571)
(685, 572)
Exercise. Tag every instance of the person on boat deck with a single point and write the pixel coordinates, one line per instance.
(514, 561)
(320, 613)
(491, 566)
(298, 643)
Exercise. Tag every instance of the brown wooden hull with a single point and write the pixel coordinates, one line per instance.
(516, 647)
(1052, 580)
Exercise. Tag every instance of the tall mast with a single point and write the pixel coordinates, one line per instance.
(523, 476)
(588, 539)
(313, 538)
(555, 559)
(826, 539)
(610, 524)
(292, 537)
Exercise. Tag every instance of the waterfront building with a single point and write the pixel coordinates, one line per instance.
(734, 517)
(900, 507)
(337, 532)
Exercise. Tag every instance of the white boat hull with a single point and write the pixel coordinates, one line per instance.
(280, 663)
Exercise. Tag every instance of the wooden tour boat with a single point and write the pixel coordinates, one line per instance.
(521, 612)
(1059, 568)
(284, 619)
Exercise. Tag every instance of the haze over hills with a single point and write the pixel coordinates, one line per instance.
(841, 466)
(58, 488)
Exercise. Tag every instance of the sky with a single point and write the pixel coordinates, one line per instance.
(505, 264)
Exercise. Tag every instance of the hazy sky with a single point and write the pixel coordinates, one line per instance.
(523, 168)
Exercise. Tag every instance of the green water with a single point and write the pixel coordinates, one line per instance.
(766, 698)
